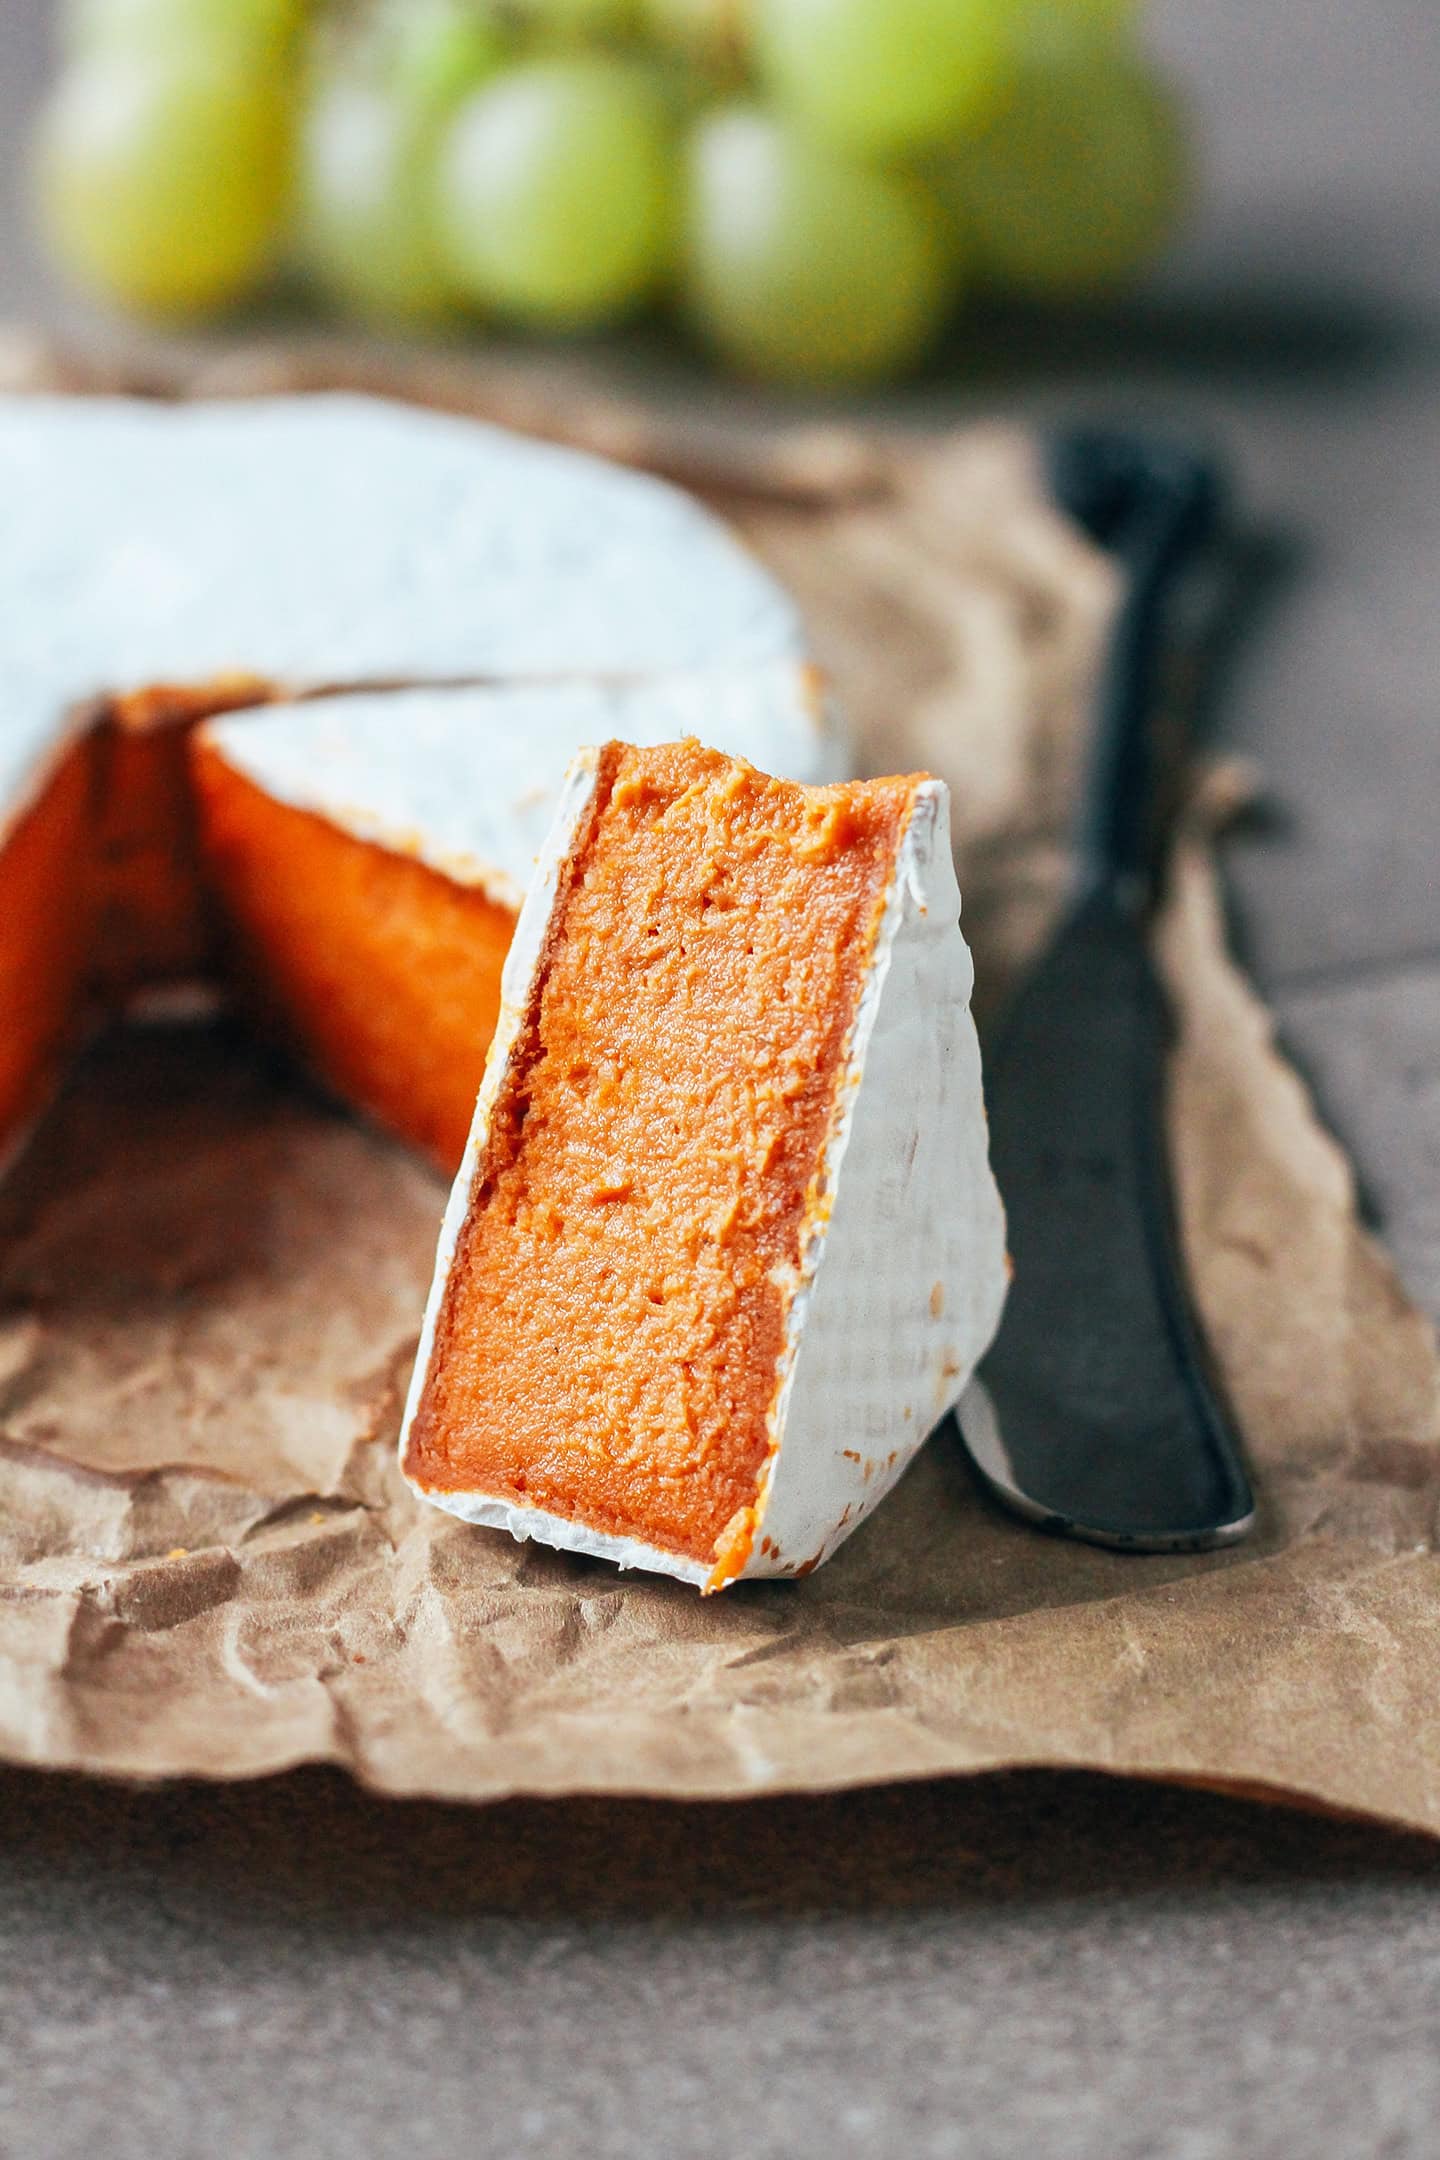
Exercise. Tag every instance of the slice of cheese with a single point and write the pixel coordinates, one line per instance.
(724, 1246)
(369, 855)
(159, 563)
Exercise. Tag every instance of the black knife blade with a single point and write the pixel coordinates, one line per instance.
(1098, 1411)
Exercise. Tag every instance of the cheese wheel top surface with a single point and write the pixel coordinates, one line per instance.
(339, 540)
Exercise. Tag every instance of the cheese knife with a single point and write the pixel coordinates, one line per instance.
(1098, 1412)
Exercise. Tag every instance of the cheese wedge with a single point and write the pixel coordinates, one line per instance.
(369, 855)
(162, 563)
(724, 1246)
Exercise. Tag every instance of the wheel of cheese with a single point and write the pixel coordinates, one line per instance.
(724, 1246)
(160, 564)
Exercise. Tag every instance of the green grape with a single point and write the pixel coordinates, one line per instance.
(1095, 14)
(162, 177)
(94, 24)
(432, 52)
(554, 193)
(367, 154)
(802, 266)
(571, 21)
(1078, 184)
(883, 76)
(712, 35)
(364, 226)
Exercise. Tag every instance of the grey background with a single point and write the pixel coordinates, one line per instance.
(1028, 1965)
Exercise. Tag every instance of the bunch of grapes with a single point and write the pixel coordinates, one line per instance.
(816, 185)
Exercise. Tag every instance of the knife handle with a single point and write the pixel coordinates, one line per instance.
(1154, 505)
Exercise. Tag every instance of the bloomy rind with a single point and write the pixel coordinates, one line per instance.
(903, 1277)
(326, 541)
(538, 1526)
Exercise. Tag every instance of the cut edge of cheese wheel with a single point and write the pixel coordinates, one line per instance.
(725, 1245)
(351, 866)
(368, 855)
(101, 896)
(50, 918)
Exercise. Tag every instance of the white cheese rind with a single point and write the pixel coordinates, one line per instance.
(903, 1276)
(529, 1525)
(467, 780)
(333, 541)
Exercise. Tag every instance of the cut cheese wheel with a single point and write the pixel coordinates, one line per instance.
(724, 1246)
(162, 563)
(370, 853)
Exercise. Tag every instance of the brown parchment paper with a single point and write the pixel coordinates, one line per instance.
(210, 1284)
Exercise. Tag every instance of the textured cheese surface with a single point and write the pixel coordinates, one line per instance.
(338, 540)
(469, 780)
(902, 1279)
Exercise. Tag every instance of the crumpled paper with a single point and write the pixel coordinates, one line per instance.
(211, 1280)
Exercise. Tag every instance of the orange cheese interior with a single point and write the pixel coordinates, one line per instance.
(383, 973)
(610, 1339)
(145, 859)
(154, 922)
(47, 924)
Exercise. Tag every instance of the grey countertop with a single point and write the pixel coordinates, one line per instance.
(1028, 1965)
